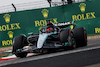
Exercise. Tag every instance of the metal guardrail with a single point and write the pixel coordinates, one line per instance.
(24, 6)
(34, 5)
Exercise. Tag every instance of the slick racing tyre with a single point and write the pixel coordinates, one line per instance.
(71, 40)
(18, 43)
(80, 36)
(64, 35)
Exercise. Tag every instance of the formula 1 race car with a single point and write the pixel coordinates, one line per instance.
(51, 36)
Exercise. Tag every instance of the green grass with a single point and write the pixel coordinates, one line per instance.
(92, 34)
(3, 55)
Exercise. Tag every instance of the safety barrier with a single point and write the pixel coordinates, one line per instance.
(85, 14)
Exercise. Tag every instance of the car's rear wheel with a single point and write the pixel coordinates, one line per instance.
(18, 43)
(80, 36)
(71, 41)
(67, 36)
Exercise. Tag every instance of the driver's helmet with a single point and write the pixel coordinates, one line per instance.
(50, 27)
(50, 24)
(49, 30)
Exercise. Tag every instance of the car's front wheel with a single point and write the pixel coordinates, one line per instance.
(80, 36)
(18, 43)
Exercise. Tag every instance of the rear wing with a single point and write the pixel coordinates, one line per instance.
(65, 24)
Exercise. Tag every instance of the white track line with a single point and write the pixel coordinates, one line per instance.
(50, 55)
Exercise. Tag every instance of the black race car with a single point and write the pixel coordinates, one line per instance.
(51, 36)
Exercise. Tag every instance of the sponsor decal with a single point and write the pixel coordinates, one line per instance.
(44, 22)
(10, 34)
(45, 13)
(9, 28)
(63, 24)
(12, 26)
(6, 42)
(89, 15)
(82, 7)
(7, 18)
(97, 30)
(71, 26)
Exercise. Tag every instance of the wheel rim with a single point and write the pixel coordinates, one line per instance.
(72, 41)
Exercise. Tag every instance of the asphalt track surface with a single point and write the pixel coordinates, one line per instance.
(88, 56)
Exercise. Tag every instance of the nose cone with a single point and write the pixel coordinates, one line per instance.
(41, 40)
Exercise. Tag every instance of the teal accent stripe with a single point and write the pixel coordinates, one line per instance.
(72, 22)
(49, 35)
(65, 43)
